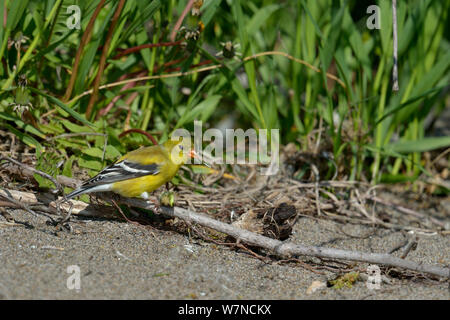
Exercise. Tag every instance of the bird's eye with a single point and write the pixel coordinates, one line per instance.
(180, 146)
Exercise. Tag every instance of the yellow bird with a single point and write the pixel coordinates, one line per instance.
(141, 171)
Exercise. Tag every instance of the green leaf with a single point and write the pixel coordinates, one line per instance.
(43, 182)
(112, 152)
(202, 111)
(396, 178)
(242, 95)
(329, 46)
(74, 128)
(85, 162)
(67, 169)
(201, 169)
(15, 12)
(250, 65)
(392, 153)
(93, 152)
(51, 128)
(260, 17)
(145, 13)
(385, 25)
(422, 145)
(394, 110)
(77, 145)
(209, 10)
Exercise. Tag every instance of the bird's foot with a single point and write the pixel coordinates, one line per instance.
(146, 197)
(156, 206)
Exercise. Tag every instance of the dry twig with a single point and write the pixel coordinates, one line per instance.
(33, 170)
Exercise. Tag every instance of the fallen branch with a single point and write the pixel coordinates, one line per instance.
(290, 249)
(46, 202)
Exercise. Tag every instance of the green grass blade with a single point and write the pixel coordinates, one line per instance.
(63, 106)
(421, 145)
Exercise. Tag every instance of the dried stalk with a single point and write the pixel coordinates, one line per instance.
(45, 202)
(394, 32)
(19, 203)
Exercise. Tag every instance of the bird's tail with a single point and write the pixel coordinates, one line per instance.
(77, 192)
(88, 189)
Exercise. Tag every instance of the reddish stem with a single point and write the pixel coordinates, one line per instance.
(148, 135)
(145, 46)
(103, 57)
(127, 86)
(180, 19)
(128, 102)
(84, 40)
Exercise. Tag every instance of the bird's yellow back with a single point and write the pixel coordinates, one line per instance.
(147, 155)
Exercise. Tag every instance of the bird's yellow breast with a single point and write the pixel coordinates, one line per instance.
(136, 187)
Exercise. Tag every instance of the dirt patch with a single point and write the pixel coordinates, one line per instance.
(119, 260)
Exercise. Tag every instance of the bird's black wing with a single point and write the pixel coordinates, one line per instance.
(122, 170)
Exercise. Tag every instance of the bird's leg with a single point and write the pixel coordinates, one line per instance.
(157, 207)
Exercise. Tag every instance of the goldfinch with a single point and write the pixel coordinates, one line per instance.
(141, 171)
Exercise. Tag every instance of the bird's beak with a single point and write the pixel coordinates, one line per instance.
(195, 155)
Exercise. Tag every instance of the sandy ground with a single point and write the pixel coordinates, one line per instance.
(119, 260)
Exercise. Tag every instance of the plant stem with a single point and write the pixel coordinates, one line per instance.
(103, 57)
(379, 132)
(84, 41)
